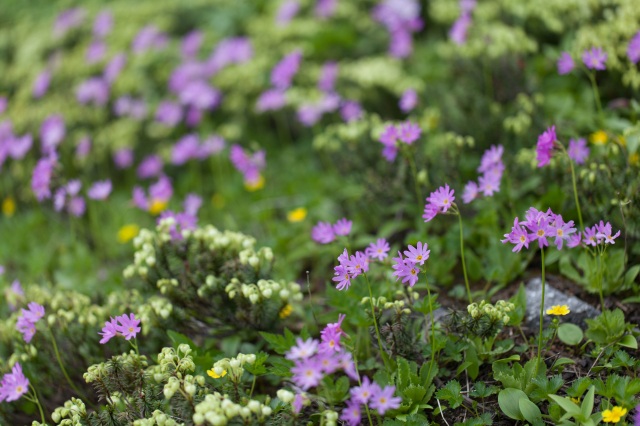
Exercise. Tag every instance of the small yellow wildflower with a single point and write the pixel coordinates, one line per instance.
(558, 310)
(128, 232)
(157, 206)
(254, 186)
(614, 415)
(634, 159)
(599, 138)
(9, 206)
(575, 400)
(211, 373)
(285, 311)
(218, 201)
(297, 215)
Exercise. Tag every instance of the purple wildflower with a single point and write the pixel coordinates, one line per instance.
(147, 38)
(342, 227)
(191, 204)
(123, 158)
(41, 178)
(517, 236)
(351, 414)
(409, 132)
(271, 100)
(351, 111)
(328, 361)
(285, 70)
(383, 400)
(185, 149)
(633, 53)
(363, 393)
(128, 326)
(417, 254)
(95, 51)
(151, 166)
(67, 20)
(113, 69)
(562, 231)
(330, 336)
(409, 100)
(378, 250)
(201, 95)
(108, 331)
(442, 198)
(191, 44)
(323, 233)
(307, 373)
(578, 150)
(545, 144)
(210, 146)
(52, 131)
(405, 269)
(41, 84)
(169, 113)
(287, 11)
(565, 63)
(103, 24)
(100, 190)
(27, 320)
(348, 366)
(328, 76)
(14, 384)
(357, 264)
(595, 58)
(604, 233)
(470, 192)
(303, 349)
(325, 8)
(459, 29)
(76, 206)
(342, 277)
(94, 90)
(83, 148)
(489, 184)
(249, 166)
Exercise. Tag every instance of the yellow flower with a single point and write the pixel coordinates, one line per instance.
(614, 415)
(128, 232)
(575, 400)
(599, 138)
(157, 206)
(213, 374)
(9, 206)
(558, 310)
(285, 311)
(254, 186)
(297, 215)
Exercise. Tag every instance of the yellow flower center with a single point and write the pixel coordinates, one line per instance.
(560, 232)
(127, 233)
(540, 232)
(254, 186)
(522, 238)
(9, 206)
(297, 215)
(157, 206)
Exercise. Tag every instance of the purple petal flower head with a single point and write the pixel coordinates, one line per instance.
(378, 250)
(14, 384)
(95, 51)
(595, 58)
(633, 53)
(14, 293)
(442, 198)
(470, 192)
(348, 366)
(490, 158)
(271, 100)
(191, 44)
(328, 76)
(489, 184)
(329, 362)
(123, 158)
(67, 20)
(41, 84)
(562, 231)
(298, 402)
(18, 146)
(103, 24)
(201, 95)
(151, 166)
(128, 326)
(578, 150)
(169, 113)
(330, 336)
(351, 111)
(303, 349)
(307, 373)
(409, 132)
(574, 240)
(27, 320)
(544, 148)
(401, 44)
(590, 237)
(108, 331)
(362, 394)
(351, 414)
(605, 233)
(342, 276)
(417, 254)
(234, 50)
(323, 233)
(212, 145)
(565, 63)
(94, 90)
(185, 149)
(52, 132)
(401, 18)
(390, 135)
(191, 204)
(113, 69)
(406, 270)
(460, 28)
(286, 12)
(285, 70)
(147, 38)
(100, 190)
(383, 400)
(162, 190)
(34, 313)
(357, 264)
(178, 222)
(325, 8)
(76, 206)
(83, 148)
(249, 166)
(41, 178)
(409, 100)
(342, 227)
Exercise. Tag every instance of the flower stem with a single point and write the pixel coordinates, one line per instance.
(134, 344)
(464, 265)
(34, 398)
(375, 323)
(64, 371)
(596, 95)
(541, 312)
(433, 332)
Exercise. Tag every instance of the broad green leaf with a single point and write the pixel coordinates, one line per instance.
(570, 334)
(530, 411)
(509, 401)
(569, 406)
(628, 341)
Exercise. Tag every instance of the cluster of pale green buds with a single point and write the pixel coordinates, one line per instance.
(384, 303)
(158, 418)
(233, 366)
(498, 312)
(155, 306)
(330, 418)
(218, 410)
(71, 414)
(165, 284)
(285, 395)
(264, 289)
(99, 371)
(256, 259)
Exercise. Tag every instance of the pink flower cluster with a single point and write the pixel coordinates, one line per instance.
(438, 202)
(598, 234)
(406, 268)
(14, 384)
(491, 169)
(401, 18)
(123, 325)
(544, 147)
(406, 132)
(324, 232)
(159, 192)
(539, 226)
(249, 166)
(459, 29)
(350, 267)
(371, 394)
(27, 320)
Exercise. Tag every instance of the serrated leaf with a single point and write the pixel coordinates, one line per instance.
(415, 394)
(451, 393)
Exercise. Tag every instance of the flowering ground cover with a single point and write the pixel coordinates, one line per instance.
(319, 212)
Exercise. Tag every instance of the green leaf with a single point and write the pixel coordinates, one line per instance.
(628, 341)
(569, 406)
(415, 394)
(509, 401)
(587, 403)
(570, 334)
(451, 393)
(530, 411)
(179, 339)
(560, 362)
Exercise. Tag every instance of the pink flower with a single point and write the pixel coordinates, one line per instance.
(442, 198)
(128, 326)
(545, 144)
(323, 233)
(383, 400)
(100, 190)
(14, 384)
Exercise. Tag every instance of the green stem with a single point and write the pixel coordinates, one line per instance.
(464, 265)
(134, 344)
(596, 95)
(64, 371)
(433, 335)
(375, 323)
(541, 313)
(36, 401)
(253, 385)
(600, 276)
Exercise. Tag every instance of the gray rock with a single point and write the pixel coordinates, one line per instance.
(580, 310)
